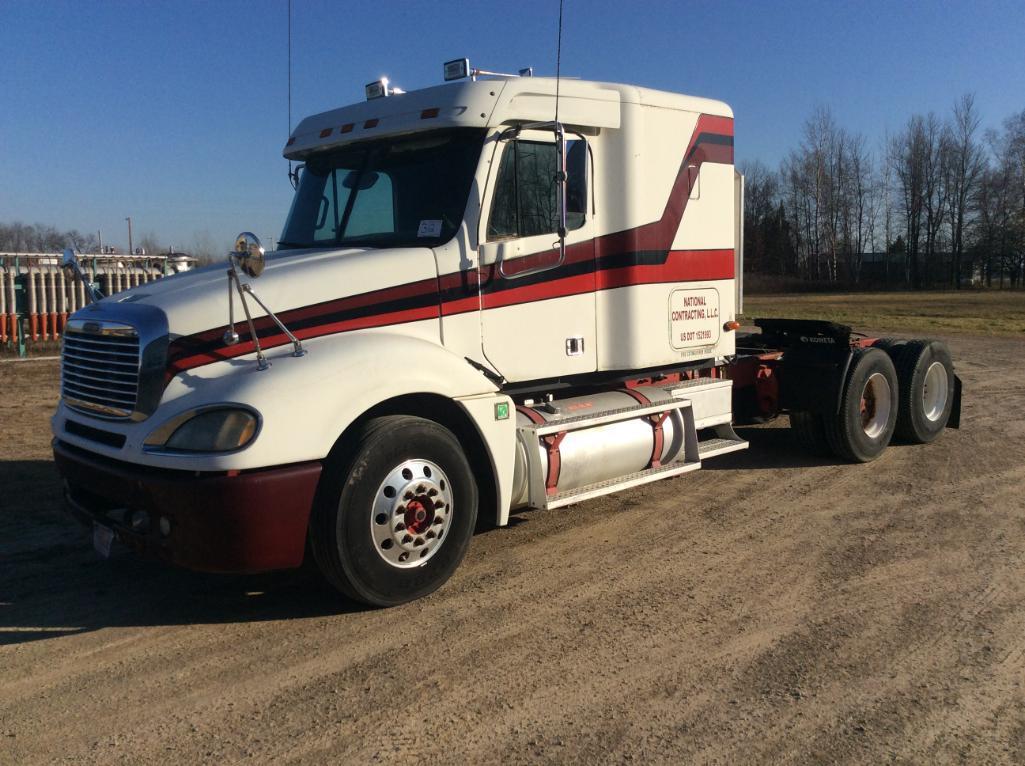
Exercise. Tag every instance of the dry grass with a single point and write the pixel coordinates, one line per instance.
(999, 313)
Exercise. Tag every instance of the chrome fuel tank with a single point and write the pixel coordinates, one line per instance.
(586, 455)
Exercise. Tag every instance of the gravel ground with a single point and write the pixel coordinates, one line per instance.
(770, 608)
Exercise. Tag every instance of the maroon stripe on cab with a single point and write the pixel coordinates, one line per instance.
(679, 266)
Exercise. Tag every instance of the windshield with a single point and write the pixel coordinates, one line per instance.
(401, 191)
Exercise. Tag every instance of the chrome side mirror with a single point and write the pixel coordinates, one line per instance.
(248, 257)
(248, 254)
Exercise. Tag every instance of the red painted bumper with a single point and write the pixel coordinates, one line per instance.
(250, 522)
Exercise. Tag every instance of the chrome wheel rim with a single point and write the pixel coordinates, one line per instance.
(876, 401)
(935, 391)
(412, 513)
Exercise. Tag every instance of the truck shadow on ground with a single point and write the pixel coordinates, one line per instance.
(771, 447)
(774, 447)
(53, 584)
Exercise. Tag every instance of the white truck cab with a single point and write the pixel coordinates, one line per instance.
(484, 298)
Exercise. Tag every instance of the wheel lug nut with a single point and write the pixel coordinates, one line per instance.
(408, 496)
(407, 538)
(420, 489)
(432, 493)
(429, 535)
(399, 527)
(418, 541)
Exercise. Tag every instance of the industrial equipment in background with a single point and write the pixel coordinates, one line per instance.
(36, 296)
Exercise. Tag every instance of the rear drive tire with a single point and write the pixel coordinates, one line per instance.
(395, 511)
(889, 345)
(810, 432)
(862, 428)
(925, 372)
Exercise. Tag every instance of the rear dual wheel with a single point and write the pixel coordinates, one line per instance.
(862, 428)
(926, 375)
(395, 511)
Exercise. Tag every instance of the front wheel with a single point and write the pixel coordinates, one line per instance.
(395, 511)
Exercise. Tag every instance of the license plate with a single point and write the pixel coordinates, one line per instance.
(103, 539)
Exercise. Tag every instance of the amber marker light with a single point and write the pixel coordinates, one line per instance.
(731, 325)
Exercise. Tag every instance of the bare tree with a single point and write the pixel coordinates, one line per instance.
(966, 162)
(908, 151)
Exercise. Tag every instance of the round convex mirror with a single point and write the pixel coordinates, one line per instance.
(249, 254)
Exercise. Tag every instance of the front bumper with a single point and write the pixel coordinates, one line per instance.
(251, 521)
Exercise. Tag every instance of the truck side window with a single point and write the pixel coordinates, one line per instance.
(525, 200)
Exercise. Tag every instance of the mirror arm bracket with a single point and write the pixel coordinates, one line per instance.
(297, 346)
(233, 280)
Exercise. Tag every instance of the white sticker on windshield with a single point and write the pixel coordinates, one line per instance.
(429, 229)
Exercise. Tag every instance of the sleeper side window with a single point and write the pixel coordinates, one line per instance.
(525, 202)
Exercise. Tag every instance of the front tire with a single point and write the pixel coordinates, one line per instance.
(395, 511)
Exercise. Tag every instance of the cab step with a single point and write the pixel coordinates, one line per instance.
(724, 441)
(620, 483)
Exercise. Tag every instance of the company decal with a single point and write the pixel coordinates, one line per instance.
(694, 318)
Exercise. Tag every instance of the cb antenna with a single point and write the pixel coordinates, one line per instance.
(291, 176)
(558, 63)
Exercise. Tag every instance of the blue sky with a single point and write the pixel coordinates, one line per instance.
(175, 112)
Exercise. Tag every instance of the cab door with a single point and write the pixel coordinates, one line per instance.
(537, 304)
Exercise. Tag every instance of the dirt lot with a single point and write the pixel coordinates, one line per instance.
(769, 608)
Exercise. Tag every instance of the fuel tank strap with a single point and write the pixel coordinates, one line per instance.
(551, 443)
(657, 420)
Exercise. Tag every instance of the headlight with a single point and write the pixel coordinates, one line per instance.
(223, 429)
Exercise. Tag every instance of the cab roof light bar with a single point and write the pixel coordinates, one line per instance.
(457, 69)
(381, 89)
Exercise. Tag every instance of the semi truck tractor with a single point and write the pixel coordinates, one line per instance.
(499, 293)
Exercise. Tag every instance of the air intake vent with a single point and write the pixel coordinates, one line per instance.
(100, 368)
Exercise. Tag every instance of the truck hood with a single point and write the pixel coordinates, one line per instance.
(197, 301)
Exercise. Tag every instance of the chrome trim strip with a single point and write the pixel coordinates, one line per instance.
(108, 411)
(101, 327)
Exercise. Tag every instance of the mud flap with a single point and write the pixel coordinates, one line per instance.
(954, 421)
(813, 368)
(811, 379)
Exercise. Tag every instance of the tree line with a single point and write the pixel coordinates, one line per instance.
(940, 203)
(18, 237)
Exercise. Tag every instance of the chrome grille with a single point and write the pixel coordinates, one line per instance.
(100, 367)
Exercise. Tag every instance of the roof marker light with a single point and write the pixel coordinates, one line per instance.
(426, 114)
(325, 132)
(377, 89)
(291, 140)
(371, 123)
(457, 69)
(347, 127)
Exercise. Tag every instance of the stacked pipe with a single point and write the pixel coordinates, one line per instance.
(12, 305)
(33, 316)
(3, 303)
